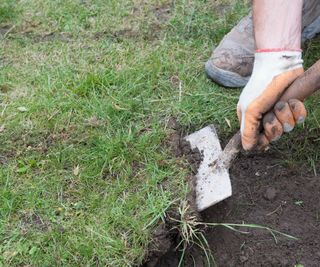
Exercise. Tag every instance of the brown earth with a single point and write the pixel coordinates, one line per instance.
(267, 193)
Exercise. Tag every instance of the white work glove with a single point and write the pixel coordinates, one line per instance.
(272, 73)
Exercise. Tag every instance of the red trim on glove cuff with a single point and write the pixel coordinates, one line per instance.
(278, 50)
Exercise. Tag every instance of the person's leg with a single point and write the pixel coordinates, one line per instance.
(231, 62)
(278, 62)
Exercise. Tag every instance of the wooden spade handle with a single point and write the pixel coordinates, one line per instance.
(305, 85)
(302, 87)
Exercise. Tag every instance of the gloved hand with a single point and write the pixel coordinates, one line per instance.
(272, 73)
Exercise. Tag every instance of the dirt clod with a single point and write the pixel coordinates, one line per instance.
(270, 194)
(162, 242)
(194, 156)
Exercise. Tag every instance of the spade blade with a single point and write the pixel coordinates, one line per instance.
(212, 184)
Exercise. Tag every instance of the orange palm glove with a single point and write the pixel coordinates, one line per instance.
(272, 73)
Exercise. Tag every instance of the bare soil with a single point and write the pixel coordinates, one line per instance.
(267, 193)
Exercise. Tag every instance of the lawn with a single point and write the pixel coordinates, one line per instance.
(88, 90)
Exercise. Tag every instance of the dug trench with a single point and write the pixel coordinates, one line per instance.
(266, 192)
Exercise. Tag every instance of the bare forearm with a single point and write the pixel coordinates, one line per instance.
(277, 24)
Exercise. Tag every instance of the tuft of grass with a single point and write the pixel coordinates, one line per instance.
(188, 227)
(191, 232)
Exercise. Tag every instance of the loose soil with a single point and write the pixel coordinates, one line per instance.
(267, 193)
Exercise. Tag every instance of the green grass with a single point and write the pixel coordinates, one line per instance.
(8, 11)
(87, 89)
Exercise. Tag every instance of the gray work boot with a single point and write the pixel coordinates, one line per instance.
(231, 62)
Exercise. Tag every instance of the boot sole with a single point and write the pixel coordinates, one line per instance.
(224, 77)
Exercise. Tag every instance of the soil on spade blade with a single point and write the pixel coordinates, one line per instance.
(266, 193)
